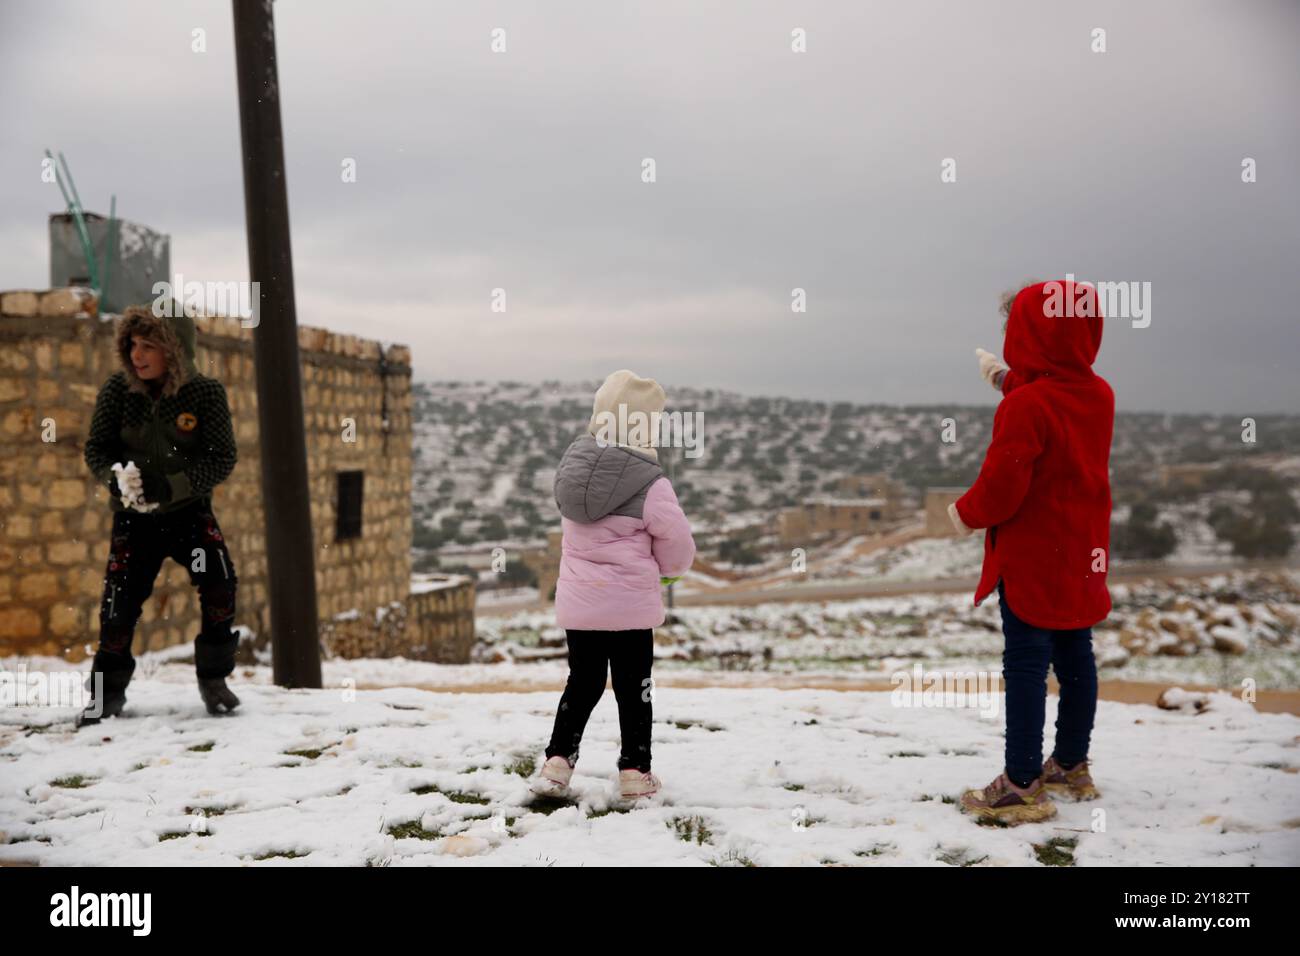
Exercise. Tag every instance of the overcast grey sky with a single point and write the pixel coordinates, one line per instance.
(776, 170)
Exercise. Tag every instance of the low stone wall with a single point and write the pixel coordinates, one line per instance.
(441, 623)
(430, 625)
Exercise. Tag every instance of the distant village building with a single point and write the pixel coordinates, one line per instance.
(55, 353)
(819, 516)
(862, 504)
(1186, 477)
(1192, 476)
(545, 562)
(937, 500)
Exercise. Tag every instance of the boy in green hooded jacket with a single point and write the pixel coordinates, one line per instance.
(173, 424)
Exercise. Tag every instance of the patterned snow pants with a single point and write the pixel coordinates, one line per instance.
(192, 538)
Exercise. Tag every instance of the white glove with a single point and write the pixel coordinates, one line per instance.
(131, 487)
(990, 367)
(957, 523)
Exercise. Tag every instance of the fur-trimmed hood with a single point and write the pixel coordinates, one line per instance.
(175, 335)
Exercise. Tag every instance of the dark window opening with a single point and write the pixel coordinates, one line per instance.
(349, 505)
(875, 515)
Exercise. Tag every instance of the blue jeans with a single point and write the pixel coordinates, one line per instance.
(1025, 658)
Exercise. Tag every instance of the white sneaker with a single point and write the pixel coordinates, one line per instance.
(553, 781)
(633, 784)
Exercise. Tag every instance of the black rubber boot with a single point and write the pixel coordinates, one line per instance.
(213, 662)
(116, 672)
(216, 695)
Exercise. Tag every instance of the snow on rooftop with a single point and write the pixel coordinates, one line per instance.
(423, 583)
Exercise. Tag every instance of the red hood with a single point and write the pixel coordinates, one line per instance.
(1054, 330)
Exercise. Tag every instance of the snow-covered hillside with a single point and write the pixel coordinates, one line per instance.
(485, 454)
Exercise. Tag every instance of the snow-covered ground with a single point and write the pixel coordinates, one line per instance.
(407, 777)
(396, 763)
(927, 559)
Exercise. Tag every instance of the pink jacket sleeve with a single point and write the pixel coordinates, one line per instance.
(672, 544)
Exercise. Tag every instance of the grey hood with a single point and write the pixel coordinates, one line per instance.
(592, 482)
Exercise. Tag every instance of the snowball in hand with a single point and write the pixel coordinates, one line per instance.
(131, 487)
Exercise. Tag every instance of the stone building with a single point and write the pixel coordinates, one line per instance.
(937, 500)
(545, 563)
(861, 504)
(1187, 476)
(55, 353)
(819, 516)
(874, 485)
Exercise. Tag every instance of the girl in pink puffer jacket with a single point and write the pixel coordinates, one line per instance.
(623, 532)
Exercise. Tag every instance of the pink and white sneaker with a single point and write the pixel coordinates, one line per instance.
(633, 784)
(553, 781)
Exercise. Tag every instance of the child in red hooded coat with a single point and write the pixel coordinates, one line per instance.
(1043, 494)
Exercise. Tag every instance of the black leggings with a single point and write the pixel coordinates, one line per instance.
(629, 655)
(191, 537)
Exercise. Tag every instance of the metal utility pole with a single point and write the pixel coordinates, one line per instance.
(290, 551)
